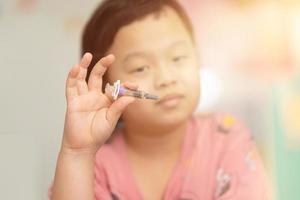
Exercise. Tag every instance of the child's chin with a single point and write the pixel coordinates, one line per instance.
(173, 119)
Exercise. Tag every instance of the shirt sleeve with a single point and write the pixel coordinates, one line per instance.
(241, 174)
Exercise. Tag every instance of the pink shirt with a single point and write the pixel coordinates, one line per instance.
(218, 161)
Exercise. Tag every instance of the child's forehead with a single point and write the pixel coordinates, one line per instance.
(164, 31)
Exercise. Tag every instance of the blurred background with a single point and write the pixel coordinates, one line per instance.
(250, 60)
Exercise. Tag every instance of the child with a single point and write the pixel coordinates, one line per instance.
(162, 150)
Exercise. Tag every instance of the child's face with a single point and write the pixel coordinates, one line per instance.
(158, 55)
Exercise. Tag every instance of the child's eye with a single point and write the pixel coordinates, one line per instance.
(179, 58)
(140, 69)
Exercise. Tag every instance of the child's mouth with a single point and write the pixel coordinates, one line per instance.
(170, 100)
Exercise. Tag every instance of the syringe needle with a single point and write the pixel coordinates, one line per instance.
(150, 96)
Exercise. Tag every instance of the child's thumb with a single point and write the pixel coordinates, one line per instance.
(117, 107)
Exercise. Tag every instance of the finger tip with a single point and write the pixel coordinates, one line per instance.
(131, 85)
(107, 60)
(111, 57)
(88, 56)
(86, 60)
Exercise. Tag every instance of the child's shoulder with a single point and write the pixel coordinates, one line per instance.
(222, 126)
(223, 121)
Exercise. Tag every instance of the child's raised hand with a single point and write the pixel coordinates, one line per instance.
(91, 116)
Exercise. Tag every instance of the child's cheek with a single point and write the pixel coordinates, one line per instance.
(191, 76)
(192, 81)
(139, 109)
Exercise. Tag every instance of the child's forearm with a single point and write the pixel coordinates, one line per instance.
(74, 176)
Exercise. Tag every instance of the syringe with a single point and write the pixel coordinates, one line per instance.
(116, 90)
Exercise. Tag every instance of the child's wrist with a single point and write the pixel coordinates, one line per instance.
(91, 151)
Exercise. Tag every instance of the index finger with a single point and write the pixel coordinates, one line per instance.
(95, 79)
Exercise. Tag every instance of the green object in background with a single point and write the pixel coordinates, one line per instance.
(286, 123)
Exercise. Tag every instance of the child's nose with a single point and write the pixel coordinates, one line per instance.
(164, 77)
